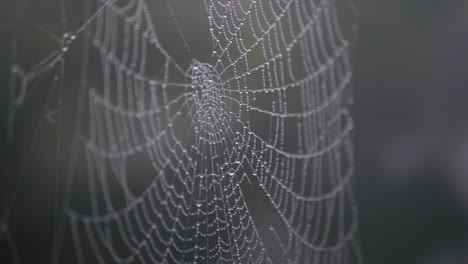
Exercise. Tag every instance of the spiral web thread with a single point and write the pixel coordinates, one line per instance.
(267, 112)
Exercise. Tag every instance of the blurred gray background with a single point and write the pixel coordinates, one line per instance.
(411, 116)
(411, 130)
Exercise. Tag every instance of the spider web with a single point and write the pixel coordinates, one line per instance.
(226, 143)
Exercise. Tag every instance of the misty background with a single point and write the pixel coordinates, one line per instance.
(411, 131)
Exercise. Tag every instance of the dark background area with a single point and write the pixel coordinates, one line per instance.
(411, 131)
(410, 111)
